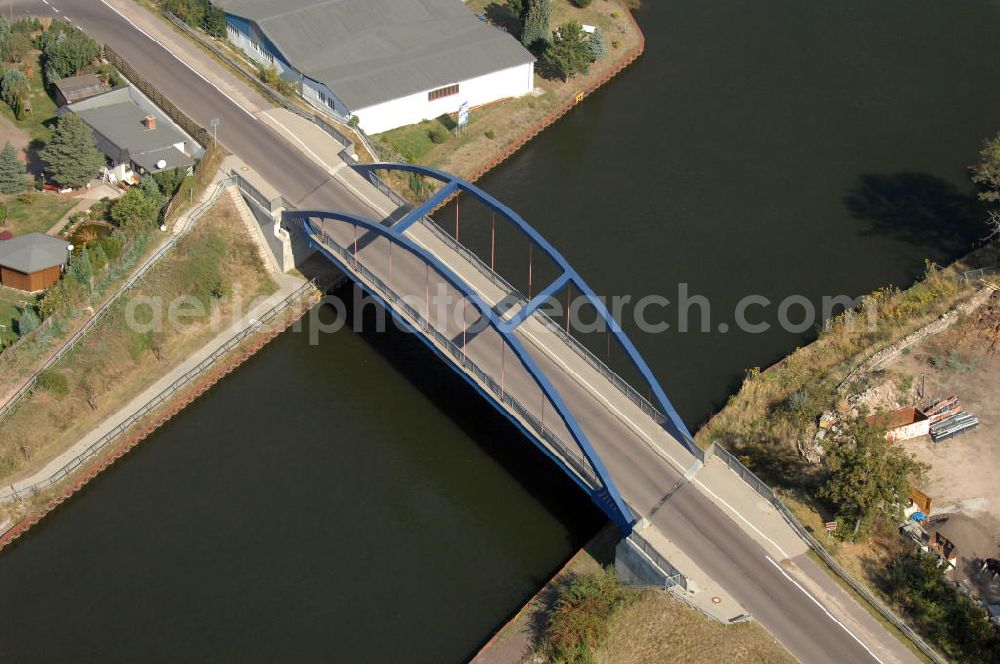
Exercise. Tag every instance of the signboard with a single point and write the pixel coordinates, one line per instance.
(831, 526)
(463, 114)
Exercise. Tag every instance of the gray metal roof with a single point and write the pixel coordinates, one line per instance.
(33, 252)
(117, 121)
(371, 51)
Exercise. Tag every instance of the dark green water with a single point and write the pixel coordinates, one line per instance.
(356, 502)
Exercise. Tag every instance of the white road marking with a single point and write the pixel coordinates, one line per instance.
(593, 390)
(742, 518)
(330, 169)
(176, 57)
(823, 608)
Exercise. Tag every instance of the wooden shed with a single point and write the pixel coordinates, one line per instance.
(32, 262)
(76, 88)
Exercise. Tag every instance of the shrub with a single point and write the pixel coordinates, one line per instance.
(15, 46)
(582, 3)
(54, 300)
(28, 322)
(54, 382)
(66, 50)
(490, 134)
(598, 47)
(944, 614)
(26, 25)
(579, 621)
(14, 84)
(82, 270)
(438, 134)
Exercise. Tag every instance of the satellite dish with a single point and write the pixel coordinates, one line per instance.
(161, 164)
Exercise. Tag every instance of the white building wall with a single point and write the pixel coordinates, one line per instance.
(411, 109)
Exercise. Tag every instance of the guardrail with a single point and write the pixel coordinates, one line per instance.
(620, 383)
(70, 344)
(578, 463)
(158, 400)
(674, 576)
(764, 490)
(278, 97)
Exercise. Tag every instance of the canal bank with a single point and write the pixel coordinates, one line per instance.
(107, 444)
(702, 376)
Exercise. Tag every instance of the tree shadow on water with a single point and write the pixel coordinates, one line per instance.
(919, 208)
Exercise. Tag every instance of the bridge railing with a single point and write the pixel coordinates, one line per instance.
(674, 576)
(573, 458)
(764, 490)
(613, 377)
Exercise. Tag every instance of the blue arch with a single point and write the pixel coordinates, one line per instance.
(672, 422)
(608, 497)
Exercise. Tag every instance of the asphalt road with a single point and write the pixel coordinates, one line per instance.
(688, 517)
(650, 484)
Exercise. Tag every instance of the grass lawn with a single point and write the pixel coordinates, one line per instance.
(39, 215)
(493, 127)
(414, 141)
(10, 303)
(43, 108)
(114, 362)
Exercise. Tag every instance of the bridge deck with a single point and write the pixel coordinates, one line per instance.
(647, 464)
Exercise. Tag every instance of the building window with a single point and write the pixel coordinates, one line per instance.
(446, 91)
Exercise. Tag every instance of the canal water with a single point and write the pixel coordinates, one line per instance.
(355, 501)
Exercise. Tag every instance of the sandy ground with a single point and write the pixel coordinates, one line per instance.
(17, 137)
(964, 475)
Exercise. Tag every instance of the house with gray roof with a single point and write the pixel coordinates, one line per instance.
(134, 134)
(32, 262)
(388, 62)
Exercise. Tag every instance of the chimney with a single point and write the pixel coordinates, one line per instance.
(149, 122)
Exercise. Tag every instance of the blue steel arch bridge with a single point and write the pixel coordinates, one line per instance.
(594, 425)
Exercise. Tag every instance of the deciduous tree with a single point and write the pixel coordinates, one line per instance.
(867, 473)
(987, 172)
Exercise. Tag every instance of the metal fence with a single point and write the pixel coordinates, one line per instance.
(196, 131)
(258, 198)
(981, 273)
(745, 474)
(158, 400)
(240, 66)
(764, 490)
(674, 576)
(129, 284)
(574, 459)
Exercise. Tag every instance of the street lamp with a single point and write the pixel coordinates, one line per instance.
(69, 249)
